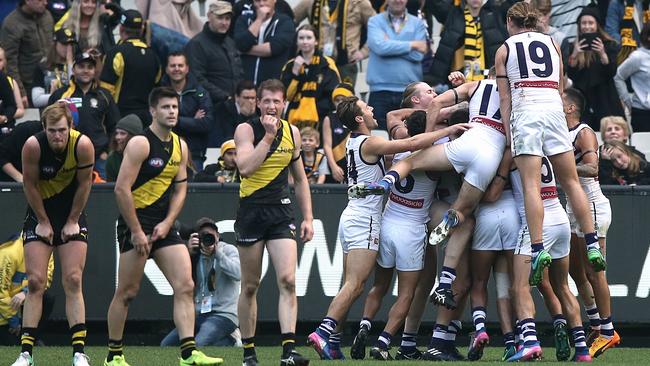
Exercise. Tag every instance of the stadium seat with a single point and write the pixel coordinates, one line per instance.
(31, 114)
(212, 155)
(641, 141)
(381, 133)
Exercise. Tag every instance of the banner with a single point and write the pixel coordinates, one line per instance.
(320, 267)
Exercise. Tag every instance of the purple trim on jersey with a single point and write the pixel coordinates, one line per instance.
(474, 92)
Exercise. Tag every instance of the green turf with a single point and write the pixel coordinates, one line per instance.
(156, 356)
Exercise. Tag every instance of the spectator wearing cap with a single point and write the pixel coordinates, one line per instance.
(55, 71)
(26, 35)
(195, 112)
(216, 274)
(98, 113)
(225, 169)
(213, 56)
(335, 136)
(265, 39)
(234, 111)
(592, 66)
(126, 128)
(131, 69)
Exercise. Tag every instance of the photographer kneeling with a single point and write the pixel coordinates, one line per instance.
(216, 274)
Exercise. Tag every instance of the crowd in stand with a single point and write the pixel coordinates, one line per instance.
(104, 60)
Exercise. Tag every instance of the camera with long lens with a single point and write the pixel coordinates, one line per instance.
(207, 240)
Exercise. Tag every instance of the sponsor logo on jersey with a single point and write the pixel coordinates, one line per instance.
(418, 203)
(48, 170)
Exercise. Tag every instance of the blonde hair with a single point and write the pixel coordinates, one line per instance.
(310, 132)
(54, 112)
(542, 6)
(617, 120)
(634, 167)
(94, 36)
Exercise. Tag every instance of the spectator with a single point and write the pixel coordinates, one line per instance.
(264, 39)
(469, 41)
(309, 78)
(314, 161)
(176, 15)
(225, 170)
(397, 42)
(565, 13)
(58, 8)
(623, 21)
(616, 128)
(216, 274)
(134, 64)
(213, 56)
(342, 28)
(25, 36)
(544, 7)
(127, 127)
(18, 98)
(7, 106)
(195, 112)
(335, 136)
(234, 111)
(592, 66)
(246, 8)
(55, 71)
(11, 150)
(619, 165)
(98, 113)
(85, 19)
(636, 69)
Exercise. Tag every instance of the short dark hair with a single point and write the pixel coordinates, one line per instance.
(177, 54)
(244, 85)
(348, 110)
(272, 85)
(416, 123)
(576, 97)
(459, 116)
(161, 92)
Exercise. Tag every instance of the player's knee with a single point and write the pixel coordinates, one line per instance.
(184, 287)
(72, 281)
(287, 283)
(126, 294)
(249, 288)
(36, 284)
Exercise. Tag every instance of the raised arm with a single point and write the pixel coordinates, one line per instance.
(379, 146)
(505, 99)
(447, 99)
(301, 186)
(395, 122)
(250, 157)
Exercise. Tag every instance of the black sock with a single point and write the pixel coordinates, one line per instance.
(249, 347)
(78, 338)
(187, 346)
(288, 344)
(115, 348)
(27, 340)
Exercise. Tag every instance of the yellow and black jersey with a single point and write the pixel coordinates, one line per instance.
(270, 182)
(57, 181)
(153, 186)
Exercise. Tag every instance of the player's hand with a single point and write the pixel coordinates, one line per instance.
(160, 231)
(306, 230)
(18, 300)
(141, 243)
(44, 231)
(458, 129)
(193, 243)
(456, 78)
(70, 230)
(337, 173)
(270, 124)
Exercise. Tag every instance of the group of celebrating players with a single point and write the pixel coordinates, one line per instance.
(524, 131)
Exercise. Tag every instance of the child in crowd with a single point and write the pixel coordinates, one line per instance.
(314, 161)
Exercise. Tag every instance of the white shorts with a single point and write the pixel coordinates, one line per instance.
(497, 224)
(557, 240)
(601, 212)
(359, 231)
(539, 132)
(402, 245)
(477, 154)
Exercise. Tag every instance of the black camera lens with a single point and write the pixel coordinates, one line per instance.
(207, 239)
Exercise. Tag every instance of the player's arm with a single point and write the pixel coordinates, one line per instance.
(85, 162)
(505, 99)
(378, 146)
(588, 143)
(494, 190)
(31, 155)
(136, 151)
(177, 198)
(250, 157)
(301, 187)
(447, 99)
(561, 82)
(395, 123)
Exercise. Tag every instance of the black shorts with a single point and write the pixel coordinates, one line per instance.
(124, 235)
(264, 222)
(57, 222)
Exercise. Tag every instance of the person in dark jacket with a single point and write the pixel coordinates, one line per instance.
(264, 39)
(246, 7)
(233, 112)
(195, 119)
(11, 160)
(213, 56)
(98, 112)
(463, 28)
(7, 106)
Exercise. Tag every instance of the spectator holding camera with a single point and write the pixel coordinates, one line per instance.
(592, 66)
(216, 274)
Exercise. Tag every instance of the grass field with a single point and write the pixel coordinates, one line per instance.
(156, 356)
